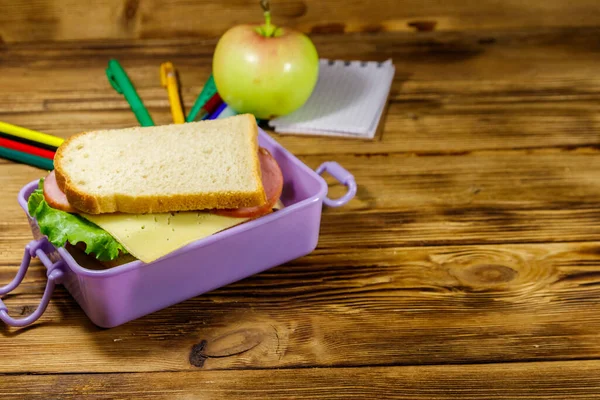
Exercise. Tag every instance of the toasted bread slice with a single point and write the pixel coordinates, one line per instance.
(192, 166)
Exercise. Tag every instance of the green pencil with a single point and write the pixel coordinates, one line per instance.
(118, 79)
(28, 159)
(207, 92)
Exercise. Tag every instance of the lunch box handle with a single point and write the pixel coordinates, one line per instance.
(342, 175)
(54, 274)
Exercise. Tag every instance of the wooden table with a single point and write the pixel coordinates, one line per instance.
(468, 264)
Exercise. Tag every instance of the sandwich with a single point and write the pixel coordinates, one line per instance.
(142, 193)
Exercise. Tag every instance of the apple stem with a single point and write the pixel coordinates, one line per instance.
(267, 29)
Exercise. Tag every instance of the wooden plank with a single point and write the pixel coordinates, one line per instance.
(339, 307)
(452, 92)
(521, 179)
(557, 380)
(410, 127)
(114, 19)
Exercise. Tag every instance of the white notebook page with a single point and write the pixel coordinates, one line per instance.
(348, 100)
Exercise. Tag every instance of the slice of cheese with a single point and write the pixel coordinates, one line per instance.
(151, 236)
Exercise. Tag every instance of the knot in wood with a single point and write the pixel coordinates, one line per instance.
(228, 345)
(490, 274)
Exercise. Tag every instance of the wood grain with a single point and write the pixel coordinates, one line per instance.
(118, 19)
(453, 92)
(339, 307)
(468, 265)
(557, 380)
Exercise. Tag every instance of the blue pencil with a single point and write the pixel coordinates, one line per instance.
(218, 111)
(227, 112)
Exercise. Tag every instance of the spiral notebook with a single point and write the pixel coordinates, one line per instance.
(348, 100)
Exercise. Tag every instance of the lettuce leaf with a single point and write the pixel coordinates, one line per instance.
(61, 227)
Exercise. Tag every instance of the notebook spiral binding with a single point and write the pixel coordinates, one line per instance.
(361, 63)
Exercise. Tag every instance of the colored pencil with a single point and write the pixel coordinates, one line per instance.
(208, 91)
(29, 142)
(30, 135)
(210, 106)
(227, 112)
(25, 148)
(25, 158)
(168, 79)
(118, 79)
(218, 111)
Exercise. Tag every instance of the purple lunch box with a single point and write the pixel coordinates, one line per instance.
(113, 296)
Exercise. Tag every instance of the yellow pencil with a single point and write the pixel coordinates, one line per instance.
(168, 79)
(30, 135)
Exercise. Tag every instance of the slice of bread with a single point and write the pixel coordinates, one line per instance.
(192, 166)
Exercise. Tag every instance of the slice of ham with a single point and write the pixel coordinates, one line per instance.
(272, 180)
(54, 196)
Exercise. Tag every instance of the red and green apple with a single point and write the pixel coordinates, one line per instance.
(265, 70)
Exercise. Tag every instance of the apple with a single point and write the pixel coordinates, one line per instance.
(265, 70)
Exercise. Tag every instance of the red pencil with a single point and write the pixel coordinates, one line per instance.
(211, 105)
(25, 148)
